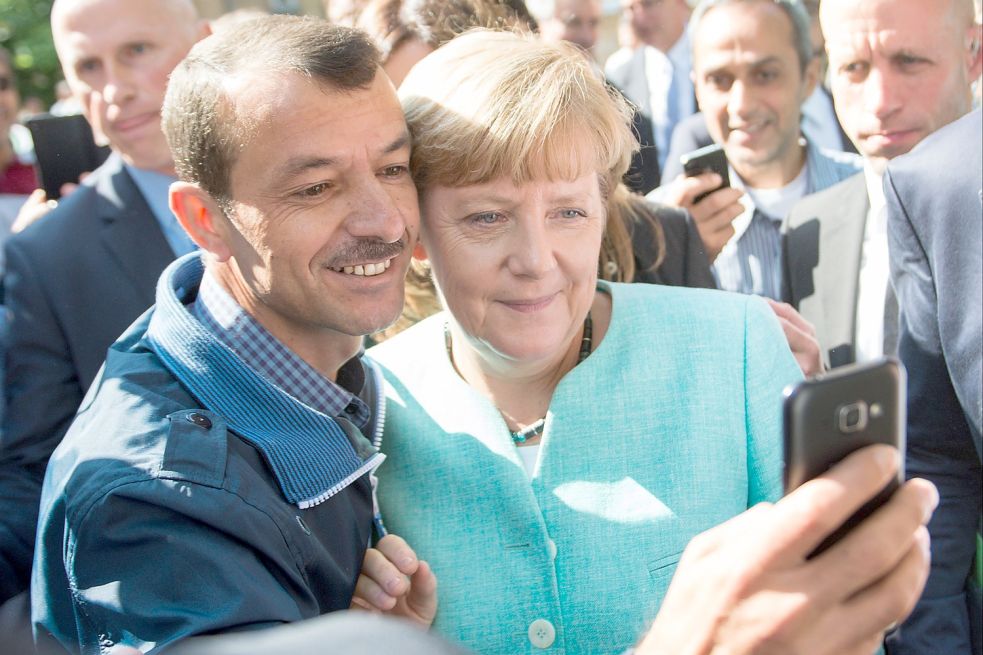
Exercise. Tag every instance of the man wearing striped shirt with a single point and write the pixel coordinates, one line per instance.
(753, 68)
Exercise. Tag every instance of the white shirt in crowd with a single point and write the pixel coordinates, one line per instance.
(874, 273)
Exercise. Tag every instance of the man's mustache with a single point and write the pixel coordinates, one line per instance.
(367, 250)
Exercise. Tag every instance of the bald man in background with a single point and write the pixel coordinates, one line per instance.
(80, 275)
(575, 21)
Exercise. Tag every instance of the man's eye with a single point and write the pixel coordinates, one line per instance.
(909, 61)
(87, 66)
(854, 68)
(395, 171)
(721, 82)
(137, 48)
(573, 213)
(767, 76)
(314, 190)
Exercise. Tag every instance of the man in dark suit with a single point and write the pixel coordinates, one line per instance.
(80, 275)
(900, 70)
(935, 229)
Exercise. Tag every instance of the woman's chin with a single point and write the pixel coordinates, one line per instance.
(526, 352)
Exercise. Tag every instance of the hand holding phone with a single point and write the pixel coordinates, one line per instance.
(713, 205)
(833, 414)
(65, 149)
(709, 159)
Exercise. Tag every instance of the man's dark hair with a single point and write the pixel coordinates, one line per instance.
(199, 120)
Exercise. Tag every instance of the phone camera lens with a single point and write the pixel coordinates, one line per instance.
(852, 417)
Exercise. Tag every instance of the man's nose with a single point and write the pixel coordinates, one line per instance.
(118, 85)
(740, 99)
(381, 212)
(880, 93)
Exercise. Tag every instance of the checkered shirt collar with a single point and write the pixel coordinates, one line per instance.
(265, 354)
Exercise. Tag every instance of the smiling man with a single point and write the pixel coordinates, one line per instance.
(217, 477)
(753, 68)
(78, 277)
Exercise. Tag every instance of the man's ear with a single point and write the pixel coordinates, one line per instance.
(201, 217)
(974, 54)
(810, 78)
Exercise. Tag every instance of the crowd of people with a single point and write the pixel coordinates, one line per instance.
(417, 322)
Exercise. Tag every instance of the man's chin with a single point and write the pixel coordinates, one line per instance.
(378, 321)
(144, 160)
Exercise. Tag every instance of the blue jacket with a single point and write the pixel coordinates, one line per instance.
(173, 505)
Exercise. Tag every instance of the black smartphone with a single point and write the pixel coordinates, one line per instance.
(64, 148)
(709, 159)
(833, 414)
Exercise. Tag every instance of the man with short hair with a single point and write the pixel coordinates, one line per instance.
(656, 79)
(575, 21)
(76, 279)
(217, 477)
(819, 123)
(900, 70)
(753, 68)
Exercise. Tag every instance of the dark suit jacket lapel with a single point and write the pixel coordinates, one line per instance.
(643, 174)
(130, 233)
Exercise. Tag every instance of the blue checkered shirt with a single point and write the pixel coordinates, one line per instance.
(266, 355)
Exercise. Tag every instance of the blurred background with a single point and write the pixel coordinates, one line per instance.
(26, 33)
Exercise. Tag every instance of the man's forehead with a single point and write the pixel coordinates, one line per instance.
(569, 7)
(724, 37)
(290, 105)
(868, 35)
(83, 27)
(883, 20)
(258, 94)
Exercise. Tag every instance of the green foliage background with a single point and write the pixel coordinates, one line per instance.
(26, 32)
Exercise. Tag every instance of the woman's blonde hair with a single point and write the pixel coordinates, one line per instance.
(494, 104)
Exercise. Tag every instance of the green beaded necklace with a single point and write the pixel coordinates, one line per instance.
(535, 428)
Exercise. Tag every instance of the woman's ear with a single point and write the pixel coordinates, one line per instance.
(201, 217)
(419, 252)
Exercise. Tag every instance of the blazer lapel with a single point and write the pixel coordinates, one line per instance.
(841, 240)
(130, 234)
(823, 242)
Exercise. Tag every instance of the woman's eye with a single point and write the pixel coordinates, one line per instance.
(486, 218)
(572, 213)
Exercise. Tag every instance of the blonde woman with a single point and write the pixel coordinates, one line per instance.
(554, 440)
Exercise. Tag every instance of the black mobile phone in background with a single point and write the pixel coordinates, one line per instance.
(833, 414)
(64, 148)
(709, 159)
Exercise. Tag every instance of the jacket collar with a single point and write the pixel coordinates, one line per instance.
(312, 456)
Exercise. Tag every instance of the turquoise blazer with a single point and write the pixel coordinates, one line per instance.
(671, 426)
